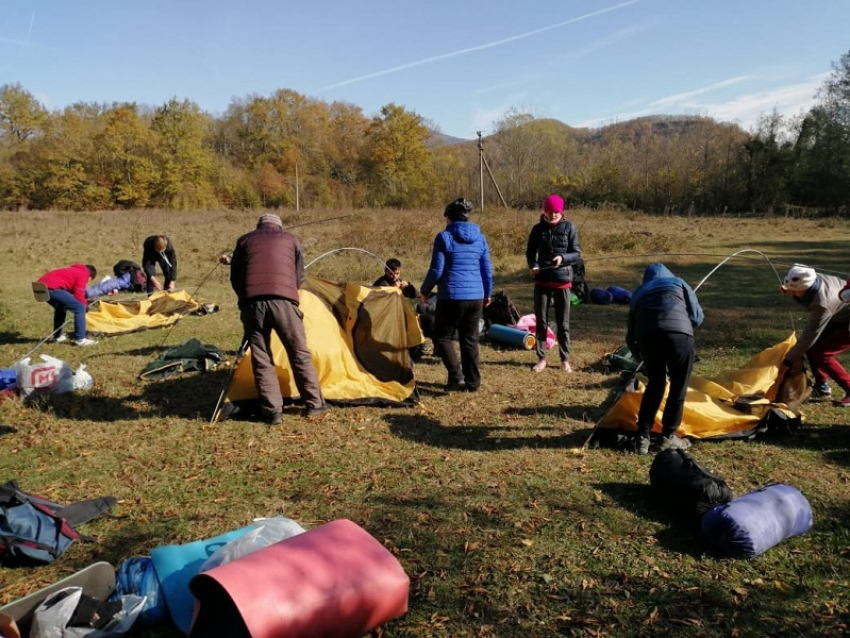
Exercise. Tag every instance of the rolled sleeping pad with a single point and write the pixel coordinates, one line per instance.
(333, 581)
(509, 336)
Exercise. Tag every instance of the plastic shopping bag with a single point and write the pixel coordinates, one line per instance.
(266, 531)
(63, 608)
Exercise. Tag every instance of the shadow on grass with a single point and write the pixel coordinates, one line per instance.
(682, 534)
(477, 438)
(9, 338)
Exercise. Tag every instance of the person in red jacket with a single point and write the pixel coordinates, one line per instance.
(67, 287)
(267, 269)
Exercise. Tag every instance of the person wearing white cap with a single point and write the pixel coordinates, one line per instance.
(826, 333)
(267, 269)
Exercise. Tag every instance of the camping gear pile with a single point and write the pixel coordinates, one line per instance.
(743, 527)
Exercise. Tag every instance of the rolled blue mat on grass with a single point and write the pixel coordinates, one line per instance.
(509, 336)
(753, 523)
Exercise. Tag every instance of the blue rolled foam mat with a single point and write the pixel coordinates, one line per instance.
(175, 566)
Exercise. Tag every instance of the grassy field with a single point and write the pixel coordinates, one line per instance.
(503, 528)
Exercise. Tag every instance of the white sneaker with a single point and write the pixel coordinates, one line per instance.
(539, 366)
(61, 339)
(85, 342)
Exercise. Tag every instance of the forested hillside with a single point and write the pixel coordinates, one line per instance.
(290, 150)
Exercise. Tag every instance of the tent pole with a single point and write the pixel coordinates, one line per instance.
(239, 355)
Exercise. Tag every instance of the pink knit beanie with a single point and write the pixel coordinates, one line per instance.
(553, 204)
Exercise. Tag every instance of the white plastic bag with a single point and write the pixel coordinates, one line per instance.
(70, 380)
(50, 620)
(33, 377)
(51, 375)
(266, 531)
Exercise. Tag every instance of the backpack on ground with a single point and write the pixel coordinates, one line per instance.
(34, 530)
(137, 275)
(501, 311)
(580, 288)
(683, 486)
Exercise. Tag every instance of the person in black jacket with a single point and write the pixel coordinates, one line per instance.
(158, 249)
(553, 248)
(392, 279)
(663, 313)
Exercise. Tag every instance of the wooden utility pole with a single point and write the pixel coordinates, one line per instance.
(482, 164)
(297, 194)
(481, 171)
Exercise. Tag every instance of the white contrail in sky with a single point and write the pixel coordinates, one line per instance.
(480, 47)
(32, 22)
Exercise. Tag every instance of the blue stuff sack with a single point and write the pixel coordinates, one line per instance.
(753, 523)
(137, 576)
(620, 295)
(600, 296)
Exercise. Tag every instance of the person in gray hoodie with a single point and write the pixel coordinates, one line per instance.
(463, 273)
(826, 333)
(663, 313)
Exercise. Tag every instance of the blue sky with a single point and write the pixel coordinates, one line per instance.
(461, 64)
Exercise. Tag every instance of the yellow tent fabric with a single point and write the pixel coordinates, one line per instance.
(159, 310)
(358, 338)
(733, 402)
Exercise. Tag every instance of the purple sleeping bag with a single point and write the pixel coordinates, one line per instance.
(753, 523)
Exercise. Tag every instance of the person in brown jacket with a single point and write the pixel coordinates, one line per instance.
(267, 269)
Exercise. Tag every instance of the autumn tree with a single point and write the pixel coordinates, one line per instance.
(397, 161)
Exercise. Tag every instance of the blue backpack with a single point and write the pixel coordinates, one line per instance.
(34, 530)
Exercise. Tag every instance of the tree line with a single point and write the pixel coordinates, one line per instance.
(289, 150)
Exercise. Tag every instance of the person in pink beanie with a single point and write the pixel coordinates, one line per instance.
(552, 249)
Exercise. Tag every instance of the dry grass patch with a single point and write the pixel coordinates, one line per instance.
(503, 528)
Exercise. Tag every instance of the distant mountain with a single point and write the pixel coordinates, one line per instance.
(441, 139)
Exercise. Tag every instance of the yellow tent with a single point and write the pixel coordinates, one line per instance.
(359, 339)
(159, 310)
(732, 404)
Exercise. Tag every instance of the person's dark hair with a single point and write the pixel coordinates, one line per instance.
(92, 271)
(458, 210)
(393, 264)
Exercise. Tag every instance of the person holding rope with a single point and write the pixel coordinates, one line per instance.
(825, 334)
(266, 271)
(463, 273)
(67, 292)
(158, 249)
(663, 313)
(551, 251)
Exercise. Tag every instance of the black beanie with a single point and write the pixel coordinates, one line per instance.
(458, 210)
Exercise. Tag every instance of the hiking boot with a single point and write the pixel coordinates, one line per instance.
(311, 411)
(455, 386)
(60, 339)
(273, 418)
(822, 389)
(674, 442)
(539, 366)
(843, 403)
(566, 367)
(85, 342)
(642, 445)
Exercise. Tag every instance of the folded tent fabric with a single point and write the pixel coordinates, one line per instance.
(335, 580)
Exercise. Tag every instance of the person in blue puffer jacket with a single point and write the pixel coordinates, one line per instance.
(663, 313)
(463, 273)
